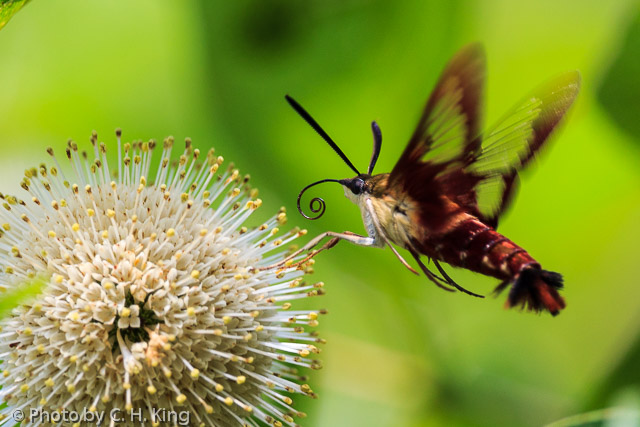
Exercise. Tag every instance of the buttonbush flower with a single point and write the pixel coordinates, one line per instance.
(158, 296)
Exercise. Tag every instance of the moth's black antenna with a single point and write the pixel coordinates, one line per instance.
(307, 118)
(377, 144)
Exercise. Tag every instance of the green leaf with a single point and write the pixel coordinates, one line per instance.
(21, 294)
(8, 8)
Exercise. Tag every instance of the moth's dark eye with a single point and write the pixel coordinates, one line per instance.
(357, 186)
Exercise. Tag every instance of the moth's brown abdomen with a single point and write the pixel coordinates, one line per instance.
(478, 247)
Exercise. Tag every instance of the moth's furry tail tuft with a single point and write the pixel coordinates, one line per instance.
(537, 290)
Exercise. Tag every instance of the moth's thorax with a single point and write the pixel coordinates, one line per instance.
(397, 218)
(393, 209)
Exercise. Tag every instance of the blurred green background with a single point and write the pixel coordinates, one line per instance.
(400, 351)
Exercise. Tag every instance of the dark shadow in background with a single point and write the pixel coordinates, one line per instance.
(619, 95)
(619, 92)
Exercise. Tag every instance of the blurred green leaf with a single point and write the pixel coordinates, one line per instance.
(623, 410)
(21, 294)
(619, 92)
(8, 8)
(625, 376)
(609, 417)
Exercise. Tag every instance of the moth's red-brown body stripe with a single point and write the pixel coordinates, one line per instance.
(494, 243)
(479, 248)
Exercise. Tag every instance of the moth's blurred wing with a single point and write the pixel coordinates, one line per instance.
(514, 141)
(447, 132)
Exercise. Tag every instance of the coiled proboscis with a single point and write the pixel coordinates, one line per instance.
(317, 205)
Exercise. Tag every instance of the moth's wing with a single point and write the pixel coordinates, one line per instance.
(448, 129)
(492, 195)
(514, 141)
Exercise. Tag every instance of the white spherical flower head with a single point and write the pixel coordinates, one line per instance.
(159, 303)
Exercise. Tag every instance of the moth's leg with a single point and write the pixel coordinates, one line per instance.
(380, 232)
(451, 282)
(501, 287)
(334, 241)
(435, 279)
(336, 237)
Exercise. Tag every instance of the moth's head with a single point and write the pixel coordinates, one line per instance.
(354, 188)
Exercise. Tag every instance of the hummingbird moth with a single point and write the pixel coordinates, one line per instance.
(445, 194)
